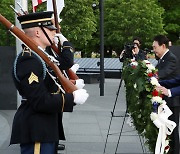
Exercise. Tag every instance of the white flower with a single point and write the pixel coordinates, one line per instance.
(156, 99)
(166, 142)
(146, 61)
(148, 71)
(154, 81)
(153, 116)
(150, 67)
(134, 63)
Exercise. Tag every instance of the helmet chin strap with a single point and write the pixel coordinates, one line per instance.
(46, 35)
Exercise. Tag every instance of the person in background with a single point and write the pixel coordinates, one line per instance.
(37, 124)
(136, 53)
(65, 57)
(167, 69)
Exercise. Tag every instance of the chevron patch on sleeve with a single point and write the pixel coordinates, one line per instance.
(32, 78)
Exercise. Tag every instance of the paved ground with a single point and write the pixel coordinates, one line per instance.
(86, 128)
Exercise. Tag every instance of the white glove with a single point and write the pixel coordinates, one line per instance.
(54, 60)
(80, 83)
(80, 96)
(59, 37)
(75, 67)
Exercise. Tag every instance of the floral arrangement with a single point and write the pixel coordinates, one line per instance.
(145, 104)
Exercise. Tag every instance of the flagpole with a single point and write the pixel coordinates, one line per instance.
(72, 75)
(55, 16)
(101, 3)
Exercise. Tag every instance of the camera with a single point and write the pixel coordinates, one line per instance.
(128, 50)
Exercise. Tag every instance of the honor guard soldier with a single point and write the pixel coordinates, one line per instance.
(37, 124)
(65, 57)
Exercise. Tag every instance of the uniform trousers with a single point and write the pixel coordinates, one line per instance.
(38, 148)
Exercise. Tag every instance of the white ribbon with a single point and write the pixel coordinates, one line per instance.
(165, 126)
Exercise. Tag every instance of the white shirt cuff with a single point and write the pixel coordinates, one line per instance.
(169, 93)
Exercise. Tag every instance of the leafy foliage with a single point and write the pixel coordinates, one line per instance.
(79, 23)
(126, 19)
(138, 96)
(171, 19)
(6, 39)
(123, 20)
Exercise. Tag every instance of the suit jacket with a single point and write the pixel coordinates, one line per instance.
(167, 69)
(173, 85)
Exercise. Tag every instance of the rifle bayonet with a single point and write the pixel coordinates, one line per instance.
(15, 11)
(25, 12)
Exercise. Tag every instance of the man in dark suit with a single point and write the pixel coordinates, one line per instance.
(167, 69)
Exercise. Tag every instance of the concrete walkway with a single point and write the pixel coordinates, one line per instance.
(86, 128)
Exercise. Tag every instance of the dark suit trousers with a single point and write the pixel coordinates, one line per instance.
(174, 144)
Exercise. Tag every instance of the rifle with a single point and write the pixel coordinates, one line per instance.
(71, 74)
(68, 86)
(18, 14)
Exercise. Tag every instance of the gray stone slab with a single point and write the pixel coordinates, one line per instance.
(86, 128)
(84, 138)
(4, 129)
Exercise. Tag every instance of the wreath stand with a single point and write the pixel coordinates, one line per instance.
(124, 118)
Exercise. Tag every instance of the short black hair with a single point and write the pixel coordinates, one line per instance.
(137, 38)
(161, 39)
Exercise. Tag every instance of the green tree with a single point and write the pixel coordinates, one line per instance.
(123, 19)
(126, 19)
(171, 19)
(6, 39)
(79, 23)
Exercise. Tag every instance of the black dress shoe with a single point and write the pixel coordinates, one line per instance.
(61, 147)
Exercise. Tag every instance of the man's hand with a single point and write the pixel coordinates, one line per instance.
(59, 37)
(121, 55)
(75, 67)
(163, 90)
(80, 96)
(80, 83)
